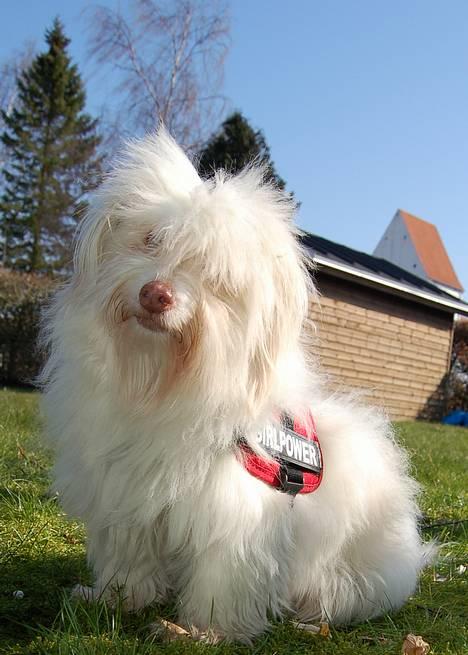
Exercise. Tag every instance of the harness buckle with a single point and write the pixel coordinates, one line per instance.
(291, 480)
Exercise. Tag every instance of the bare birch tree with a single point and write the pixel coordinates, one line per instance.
(169, 60)
(10, 70)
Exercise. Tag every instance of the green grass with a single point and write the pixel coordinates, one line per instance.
(42, 553)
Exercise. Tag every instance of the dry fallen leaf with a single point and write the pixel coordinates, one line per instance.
(414, 645)
(323, 629)
(169, 631)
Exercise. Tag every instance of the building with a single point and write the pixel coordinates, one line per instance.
(382, 329)
(416, 246)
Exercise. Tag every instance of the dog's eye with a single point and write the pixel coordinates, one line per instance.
(151, 240)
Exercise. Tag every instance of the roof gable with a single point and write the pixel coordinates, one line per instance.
(431, 250)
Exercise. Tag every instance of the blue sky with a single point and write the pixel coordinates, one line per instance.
(364, 104)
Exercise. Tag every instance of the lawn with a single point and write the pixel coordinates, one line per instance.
(42, 554)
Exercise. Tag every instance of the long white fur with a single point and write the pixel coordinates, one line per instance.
(144, 423)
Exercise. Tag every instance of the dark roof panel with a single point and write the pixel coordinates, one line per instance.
(364, 262)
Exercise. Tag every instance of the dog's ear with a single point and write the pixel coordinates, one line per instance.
(283, 323)
(268, 255)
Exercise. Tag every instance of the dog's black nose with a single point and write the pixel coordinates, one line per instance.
(156, 297)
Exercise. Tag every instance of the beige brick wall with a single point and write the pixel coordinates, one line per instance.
(397, 350)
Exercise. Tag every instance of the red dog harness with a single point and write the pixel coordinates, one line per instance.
(297, 465)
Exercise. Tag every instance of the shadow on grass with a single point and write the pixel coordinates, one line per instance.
(43, 581)
(20, 387)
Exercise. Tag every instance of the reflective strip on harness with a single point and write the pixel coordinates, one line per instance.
(297, 466)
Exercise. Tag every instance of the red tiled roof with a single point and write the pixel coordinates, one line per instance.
(431, 251)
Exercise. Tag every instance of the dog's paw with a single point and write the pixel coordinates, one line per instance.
(209, 637)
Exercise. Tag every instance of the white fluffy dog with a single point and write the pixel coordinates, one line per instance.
(182, 328)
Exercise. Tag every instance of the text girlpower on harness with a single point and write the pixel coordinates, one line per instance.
(287, 444)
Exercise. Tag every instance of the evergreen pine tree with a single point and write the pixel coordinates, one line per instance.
(234, 146)
(52, 162)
